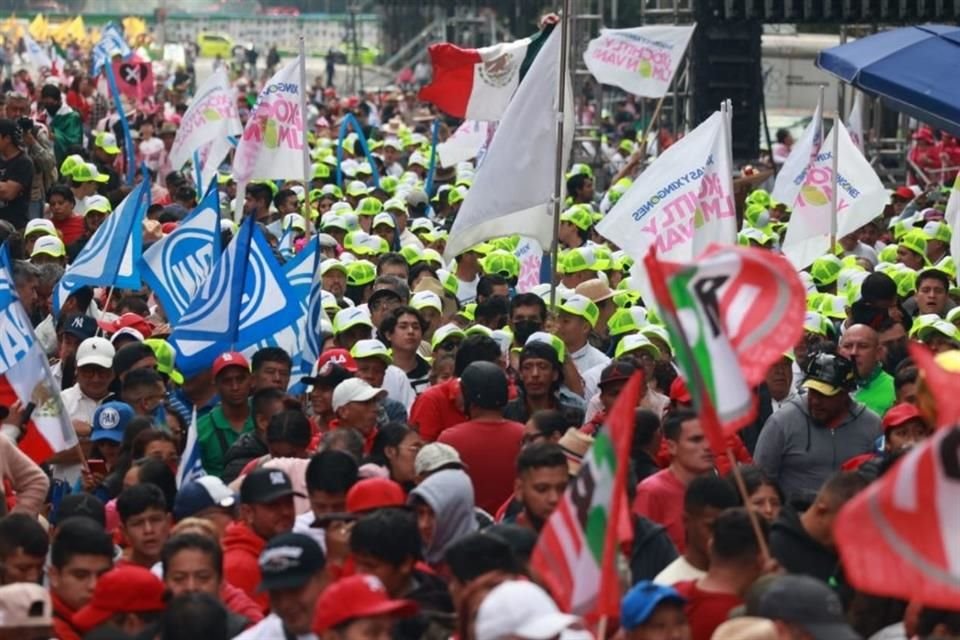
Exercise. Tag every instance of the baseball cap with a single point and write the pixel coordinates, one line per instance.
(49, 246)
(351, 317)
(371, 349)
(229, 359)
(357, 596)
(264, 485)
(520, 609)
(829, 374)
(80, 505)
(808, 603)
(580, 305)
(128, 321)
(641, 601)
(825, 270)
(96, 351)
(935, 230)
(166, 356)
(369, 206)
(916, 241)
(813, 322)
(426, 300)
(80, 326)
(435, 456)
(636, 342)
(125, 589)
(355, 390)
(332, 263)
(375, 493)
(449, 330)
(289, 561)
(107, 142)
(201, 494)
(551, 341)
(110, 420)
(616, 371)
(24, 604)
(904, 193)
(900, 414)
(579, 259)
(579, 216)
(88, 172)
(39, 225)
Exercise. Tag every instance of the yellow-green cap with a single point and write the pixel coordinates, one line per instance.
(166, 356)
(915, 240)
(627, 320)
(107, 142)
(357, 189)
(758, 196)
(834, 307)
(582, 306)
(551, 341)
(372, 348)
(412, 254)
(814, 322)
(825, 270)
(70, 164)
(97, 204)
(448, 330)
(580, 169)
(321, 171)
(626, 299)
(578, 215)
(468, 311)
(906, 281)
(502, 263)
(389, 185)
(426, 300)
(579, 259)
(350, 317)
(636, 342)
(365, 244)
(49, 246)
(888, 254)
(360, 273)
(935, 230)
(88, 172)
(433, 257)
(369, 206)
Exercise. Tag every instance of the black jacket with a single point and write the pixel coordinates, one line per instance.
(652, 550)
(798, 553)
(436, 619)
(248, 447)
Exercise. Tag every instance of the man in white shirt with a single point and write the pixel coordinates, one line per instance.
(706, 497)
(577, 318)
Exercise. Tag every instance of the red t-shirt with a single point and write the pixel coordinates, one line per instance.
(706, 610)
(660, 498)
(71, 229)
(437, 409)
(489, 450)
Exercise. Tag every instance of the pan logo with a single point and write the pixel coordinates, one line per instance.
(186, 260)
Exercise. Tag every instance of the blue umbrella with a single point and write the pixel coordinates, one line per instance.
(912, 69)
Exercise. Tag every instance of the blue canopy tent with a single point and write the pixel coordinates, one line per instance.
(914, 70)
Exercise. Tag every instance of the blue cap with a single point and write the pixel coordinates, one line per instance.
(110, 420)
(201, 494)
(641, 601)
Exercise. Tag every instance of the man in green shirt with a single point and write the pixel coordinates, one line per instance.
(861, 344)
(220, 428)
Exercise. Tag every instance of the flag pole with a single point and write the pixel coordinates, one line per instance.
(754, 520)
(834, 196)
(558, 177)
(306, 146)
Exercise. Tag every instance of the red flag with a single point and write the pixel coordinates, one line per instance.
(134, 78)
(898, 537)
(577, 550)
(937, 396)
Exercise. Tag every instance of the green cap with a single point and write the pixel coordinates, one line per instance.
(580, 169)
(579, 259)
(582, 306)
(166, 356)
(834, 307)
(758, 196)
(88, 172)
(350, 317)
(501, 263)
(825, 270)
(916, 241)
(361, 272)
(369, 206)
(906, 281)
(578, 215)
(357, 189)
(636, 342)
(412, 254)
(362, 243)
(814, 322)
(550, 340)
(371, 349)
(468, 311)
(888, 254)
(448, 330)
(321, 171)
(935, 230)
(433, 257)
(70, 164)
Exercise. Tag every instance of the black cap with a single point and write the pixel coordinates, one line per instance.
(808, 603)
(289, 561)
(484, 385)
(80, 505)
(266, 485)
(385, 291)
(81, 326)
(329, 376)
(616, 371)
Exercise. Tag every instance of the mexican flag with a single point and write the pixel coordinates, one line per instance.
(477, 84)
(58, 60)
(731, 315)
(577, 549)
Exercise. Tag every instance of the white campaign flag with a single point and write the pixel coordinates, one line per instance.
(37, 54)
(212, 116)
(952, 218)
(272, 142)
(640, 60)
(855, 121)
(513, 187)
(791, 175)
(682, 202)
(465, 143)
(861, 198)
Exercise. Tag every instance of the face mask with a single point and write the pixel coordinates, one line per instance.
(52, 110)
(524, 329)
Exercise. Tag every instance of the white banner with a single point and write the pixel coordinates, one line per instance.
(791, 175)
(855, 121)
(465, 143)
(682, 202)
(861, 198)
(641, 60)
(272, 143)
(212, 115)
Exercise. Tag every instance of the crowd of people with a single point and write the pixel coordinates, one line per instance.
(399, 490)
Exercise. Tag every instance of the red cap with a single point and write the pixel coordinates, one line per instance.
(229, 359)
(341, 357)
(899, 415)
(358, 596)
(679, 391)
(375, 493)
(128, 321)
(923, 133)
(126, 589)
(905, 193)
(168, 227)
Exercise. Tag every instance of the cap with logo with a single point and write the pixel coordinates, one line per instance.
(371, 349)
(125, 589)
(25, 605)
(49, 246)
(79, 326)
(229, 359)
(446, 332)
(636, 342)
(642, 600)
(829, 374)
(204, 493)
(357, 596)
(107, 142)
(582, 306)
(88, 172)
(348, 318)
(110, 420)
(579, 216)
(355, 390)
(426, 300)
(363, 272)
(96, 351)
(579, 259)
(265, 485)
(289, 561)
(39, 225)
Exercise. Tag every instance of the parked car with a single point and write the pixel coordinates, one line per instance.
(212, 44)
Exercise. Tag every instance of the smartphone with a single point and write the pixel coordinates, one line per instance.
(97, 466)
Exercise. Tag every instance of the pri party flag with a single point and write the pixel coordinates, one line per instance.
(272, 142)
(578, 546)
(111, 258)
(244, 299)
(640, 60)
(936, 390)
(804, 152)
(683, 201)
(175, 266)
(26, 375)
(731, 314)
(477, 84)
(861, 196)
(502, 197)
(211, 117)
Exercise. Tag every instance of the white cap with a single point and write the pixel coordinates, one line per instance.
(435, 455)
(49, 246)
(384, 218)
(426, 299)
(40, 224)
(520, 609)
(294, 220)
(127, 331)
(332, 263)
(355, 390)
(97, 351)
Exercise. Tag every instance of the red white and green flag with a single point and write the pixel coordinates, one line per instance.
(477, 84)
(731, 315)
(577, 549)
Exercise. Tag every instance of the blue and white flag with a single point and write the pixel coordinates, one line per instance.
(175, 267)
(111, 43)
(245, 299)
(286, 243)
(300, 270)
(300, 273)
(38, 55)
(190, 467)
(111, 258)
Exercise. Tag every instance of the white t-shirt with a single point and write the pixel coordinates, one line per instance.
(678, 571)
(270, 628)
(397, 384)
(586, 359)
(467, 291)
